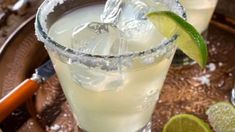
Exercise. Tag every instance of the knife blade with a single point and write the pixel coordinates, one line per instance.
(45, 71)
(25, 90)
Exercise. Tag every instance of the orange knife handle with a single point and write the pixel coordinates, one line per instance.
(17, 97)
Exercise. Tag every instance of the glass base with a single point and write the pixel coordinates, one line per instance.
(146, 128)
(233, 97)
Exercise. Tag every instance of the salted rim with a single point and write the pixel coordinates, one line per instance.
(43, 36)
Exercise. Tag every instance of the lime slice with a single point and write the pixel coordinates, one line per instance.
(189, 40)
(186, 123)
(222, 117)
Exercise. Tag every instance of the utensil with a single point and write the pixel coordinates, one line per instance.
(25, 90)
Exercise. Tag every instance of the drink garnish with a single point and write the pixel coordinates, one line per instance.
(186, 123)
(188, 40)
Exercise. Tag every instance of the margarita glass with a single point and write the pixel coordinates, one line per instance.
(106, 92)
(199, 12)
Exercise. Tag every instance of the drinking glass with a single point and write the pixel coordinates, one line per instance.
(107, 93)
(199, 12)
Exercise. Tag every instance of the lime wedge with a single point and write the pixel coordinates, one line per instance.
(189, 40)
(186, 123)
(222, 117)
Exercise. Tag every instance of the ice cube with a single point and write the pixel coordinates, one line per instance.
(123, 12)
(130, 17)
(98, 39)
(112, 11)
(85, 77)
(120, 11)
(95, 79)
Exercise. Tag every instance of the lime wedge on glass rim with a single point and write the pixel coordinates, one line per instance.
(186, 123)
(188, 40)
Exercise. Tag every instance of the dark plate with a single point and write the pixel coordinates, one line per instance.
(182, 92)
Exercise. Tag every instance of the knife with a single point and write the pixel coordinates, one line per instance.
(25, 90)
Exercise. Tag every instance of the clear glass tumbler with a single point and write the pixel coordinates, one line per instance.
(107, 93)
(199, 12)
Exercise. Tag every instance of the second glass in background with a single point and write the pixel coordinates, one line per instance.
(199, 14)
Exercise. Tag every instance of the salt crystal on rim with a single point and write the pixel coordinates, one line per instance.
(49, 6)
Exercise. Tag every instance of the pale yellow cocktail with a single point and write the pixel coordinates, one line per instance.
(199, 12)
(110, 87)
